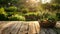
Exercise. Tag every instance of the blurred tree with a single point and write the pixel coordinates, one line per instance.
(7, 2)
(56, 1)
(30, 4)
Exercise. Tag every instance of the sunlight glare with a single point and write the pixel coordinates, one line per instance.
(46, 1)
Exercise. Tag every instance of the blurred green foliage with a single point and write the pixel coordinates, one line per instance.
(25, 10)
(3, 15)
(12, 13)
(32, 16)
(17, 17)
(9, 10)
(58, 16)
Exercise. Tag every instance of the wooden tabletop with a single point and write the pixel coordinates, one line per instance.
(25, 27)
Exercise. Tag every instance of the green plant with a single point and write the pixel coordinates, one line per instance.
(17, 17)
(25, 10)
(11, 9)
(3, 14)
(52, 20)
(32, 16)
(2, 10)
(48, 20)
(58, 16)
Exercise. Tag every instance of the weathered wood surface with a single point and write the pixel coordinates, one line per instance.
(23, 27)
(19, 27)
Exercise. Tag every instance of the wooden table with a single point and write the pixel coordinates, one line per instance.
(19, 27)
(25, 27)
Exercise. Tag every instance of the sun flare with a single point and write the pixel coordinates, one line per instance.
(46, 1)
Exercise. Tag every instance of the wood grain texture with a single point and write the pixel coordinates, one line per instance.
(19, 27)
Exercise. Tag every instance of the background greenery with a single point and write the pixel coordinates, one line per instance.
(13, 10)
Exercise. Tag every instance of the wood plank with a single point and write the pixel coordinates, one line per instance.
(20, 27)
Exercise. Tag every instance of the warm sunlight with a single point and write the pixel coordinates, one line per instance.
(33, 2)
(29, 16)
(46, 1)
